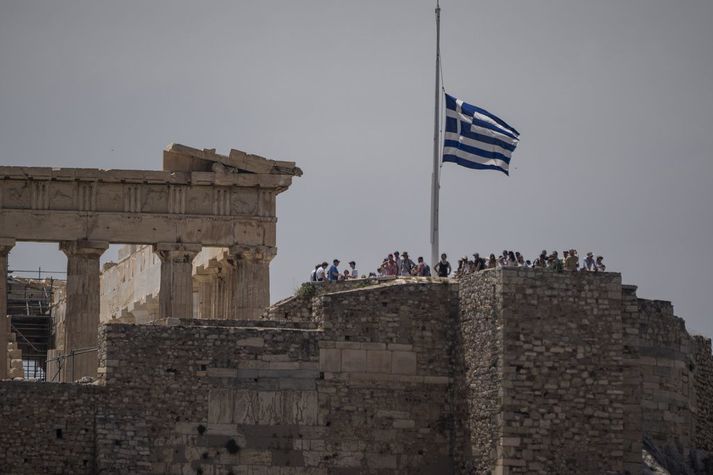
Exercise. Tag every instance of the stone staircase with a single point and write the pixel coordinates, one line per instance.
(143, 311)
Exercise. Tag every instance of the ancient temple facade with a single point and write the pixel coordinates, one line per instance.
(200, 203)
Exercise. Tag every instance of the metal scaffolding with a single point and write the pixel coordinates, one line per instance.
(29, 305)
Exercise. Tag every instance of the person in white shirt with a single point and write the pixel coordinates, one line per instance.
(321, 272)
(589, 263)
(600, 267)
(354, 273)
(313, 274)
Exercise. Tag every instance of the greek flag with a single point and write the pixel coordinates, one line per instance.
(475, 138)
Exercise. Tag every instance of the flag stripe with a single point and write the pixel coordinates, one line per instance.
(456, 140)
(455, 155)
(482, 127)
(477, 134)
(488, 154)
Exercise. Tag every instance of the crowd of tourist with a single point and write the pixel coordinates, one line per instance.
(332, 273)
(400, 264)
(568, 262)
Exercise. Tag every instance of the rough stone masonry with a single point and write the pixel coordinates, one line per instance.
(506, 371)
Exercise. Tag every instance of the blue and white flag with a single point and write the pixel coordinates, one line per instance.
(475, 138)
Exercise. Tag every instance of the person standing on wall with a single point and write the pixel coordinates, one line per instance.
(333, 273)
(443, 268)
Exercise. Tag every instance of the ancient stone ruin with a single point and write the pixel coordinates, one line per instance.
(200, 200)
(503, 371)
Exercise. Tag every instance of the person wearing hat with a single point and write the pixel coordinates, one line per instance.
(541, 261)
(333, 273)
(571, 261)
(589, 263)
(354, 273)
(554, 263)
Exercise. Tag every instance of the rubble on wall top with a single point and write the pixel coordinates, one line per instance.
(181, 158)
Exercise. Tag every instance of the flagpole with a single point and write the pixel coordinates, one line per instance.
(435, 183)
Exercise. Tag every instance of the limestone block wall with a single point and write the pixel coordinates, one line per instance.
(215, 397)
(563, 355)
(479, 369)
(559, 383)
(667, 364)
(47, 428)
(703, 383)
(386, 359)
(510, 371)
(633, 389)
(371, 395)
(299, 307)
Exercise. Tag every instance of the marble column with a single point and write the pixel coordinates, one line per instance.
(82, 315)
(5, 246)
(205, 294)
(175, 296)
(250, 281)
(218, 302)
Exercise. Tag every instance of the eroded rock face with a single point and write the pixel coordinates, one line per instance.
(180, 158)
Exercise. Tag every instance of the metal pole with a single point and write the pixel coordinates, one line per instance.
(435, 185)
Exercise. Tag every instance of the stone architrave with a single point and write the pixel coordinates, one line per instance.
(250, 280)
(5, 246)
(82, 314)
(175, 297)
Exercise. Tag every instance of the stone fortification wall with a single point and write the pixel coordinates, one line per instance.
(563, 353)
(511, 371)
(386, 359)
(479, 368)
(47, 428)
(632, 380)
(559, 381)
(369, 394)
(215, 397)
(666, 363)
(299, 307)
(703, 382)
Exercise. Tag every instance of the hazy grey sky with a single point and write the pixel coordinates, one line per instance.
(613, 100)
